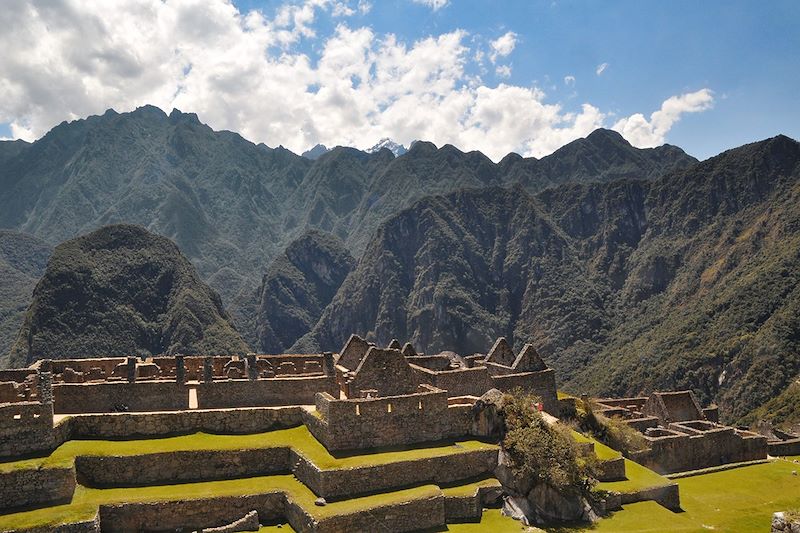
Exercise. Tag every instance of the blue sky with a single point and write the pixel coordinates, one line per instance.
(732, 70)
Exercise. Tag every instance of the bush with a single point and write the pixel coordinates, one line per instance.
(612, 432)
(542, 452)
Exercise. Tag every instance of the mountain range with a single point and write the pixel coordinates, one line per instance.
(691, 280)
(233, 206)
(630, 269)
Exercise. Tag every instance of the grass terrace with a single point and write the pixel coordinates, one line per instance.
(298, 438)
(86, 501)
(470, 488)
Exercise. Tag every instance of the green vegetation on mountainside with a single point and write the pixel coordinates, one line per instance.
(22, 262)
(298, 285)
(783, 411)
(122, 291)
(689, 281)
(232, 206)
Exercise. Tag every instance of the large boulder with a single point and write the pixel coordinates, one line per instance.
(487, 418)
(533, 502)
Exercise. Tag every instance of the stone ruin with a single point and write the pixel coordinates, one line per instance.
(680, 435)
(363, 397)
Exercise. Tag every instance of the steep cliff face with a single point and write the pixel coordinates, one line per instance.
(688, 281)
(120, 291)
(299, 284)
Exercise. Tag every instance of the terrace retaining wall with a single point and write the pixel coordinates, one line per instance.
(33, 488)
(667, 495)
(350, 482)
(180, 466)
(190, 514)
(222, 421)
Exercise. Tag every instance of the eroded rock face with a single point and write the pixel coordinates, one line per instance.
(545, 505)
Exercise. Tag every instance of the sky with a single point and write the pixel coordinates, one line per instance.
(523, 76)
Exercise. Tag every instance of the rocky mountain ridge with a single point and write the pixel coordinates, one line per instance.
(686, 281)
(232, 206)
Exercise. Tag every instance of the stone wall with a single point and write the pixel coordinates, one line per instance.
(390, 421)
(109, 397)
(222, 421)
(106, 364)
(611, 470)
(477, 380)
(541, 384)
(667, 495)
(463, 382)
(414, 515)
(341, 483)
(180, 467)
(470, 508)
(190, 515)
(263, 392)
(34, 488)
(680, 453)
(25, 428)
(88, 526)
(784, 447)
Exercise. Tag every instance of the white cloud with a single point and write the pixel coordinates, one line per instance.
(648, 133)
(503, 45)
(601, 68)
(245, 72)
(433, 4)
(569, 81)
(504, 71)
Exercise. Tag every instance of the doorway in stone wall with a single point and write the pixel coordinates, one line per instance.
(192, 397)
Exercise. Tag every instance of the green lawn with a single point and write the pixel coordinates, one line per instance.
(741, 500)
(738, 500)
(298, 438)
